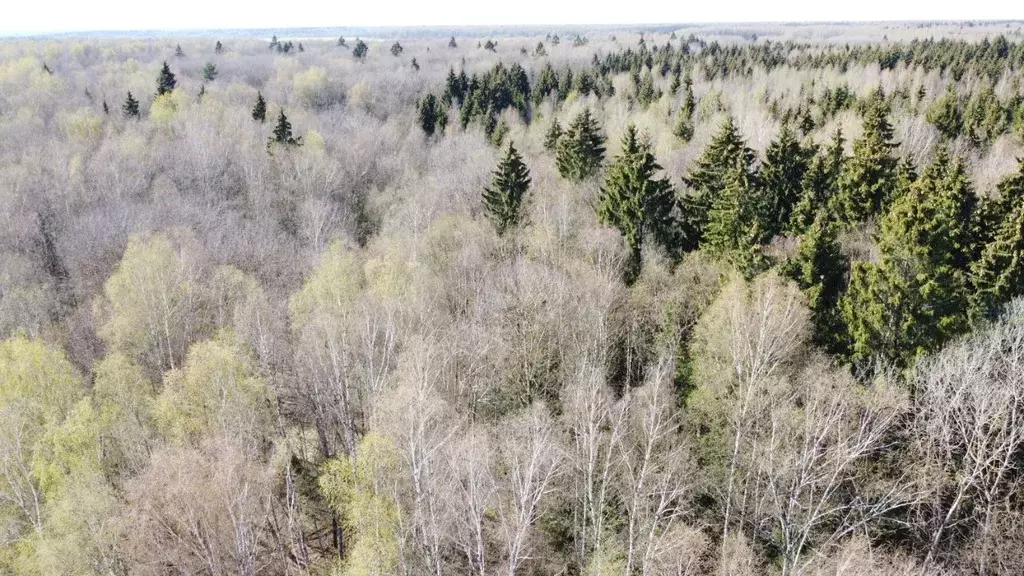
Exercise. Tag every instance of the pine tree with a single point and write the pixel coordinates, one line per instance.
(820, 270)
(429, 111)
(360, 49)
(499, 133)
(165, 82)
(341, 42)
(503, 200)
(209, 72)
(178, 52)
(819, 185)
(219, 48)
(635, 202)
(707, 179)
(869, 176)
(259, 110)
(452, 44)
(782, 175)
(581, 150)
(274, 44)
(396, 49)
(415, 65)
(283, 133)
(130, 108)
(301, 49)
(645, 94)
(553, 136)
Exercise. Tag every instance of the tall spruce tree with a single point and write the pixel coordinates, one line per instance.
(283, 133)
(209, 72)
(998, 273)
(553, 136)
(707, 179)
(165, 82)
(452, 43)
(581, 149)
(259, 110)
(733, 231)
(868, 180)
(178, 52)
(820, 269)
(130, 108)
(429, 111)
(944, 113)
(503, 199)
(914, 299)
(396, 49)
(637, 203)
(341, 42)
(782, 176)
(819, 185)
(360, 49)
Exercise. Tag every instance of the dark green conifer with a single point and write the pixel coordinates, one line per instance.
(209, 72)
(130, 108)
(581, 150)
(178, 52)
(998, 272)
(341, 42)
(819, 185)
(733, 231)
(360, 49)
(782, 175)
(707, 179)
(820, 269)
(396, 49)
(637, 203)
(944, 113)
(165, 82)
(259, 110)
(219, 48)
(429, 111)
(415, 65)
(503, 200)
(553, 136)
(283, 133)
(452, 44)
(869, 177)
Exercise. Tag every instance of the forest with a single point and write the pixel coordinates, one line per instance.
(578, 303)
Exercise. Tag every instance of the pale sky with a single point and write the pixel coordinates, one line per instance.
(79, 15)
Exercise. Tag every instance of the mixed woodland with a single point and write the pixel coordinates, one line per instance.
(606, 303)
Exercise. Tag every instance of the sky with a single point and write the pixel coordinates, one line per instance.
(32, 16)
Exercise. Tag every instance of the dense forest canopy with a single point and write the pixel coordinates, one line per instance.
(574, 302)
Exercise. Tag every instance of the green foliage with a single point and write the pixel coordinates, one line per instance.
(209, 72)
(869, 180)
(553, 136)
(148, 304)
(360, 49)
(217, 391)
(998, 273)
(581, 149)
(283, 133)
(165, 82)
(504, 198)
(430, 111)
(259, 109)
(819, 185)
(358, 491)
(499, 133)
(130, 108)
(635, 202)
(914, 299)
(820, 269)
(724, 154)
(734, 229)
(944, 113)
(782, 176)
